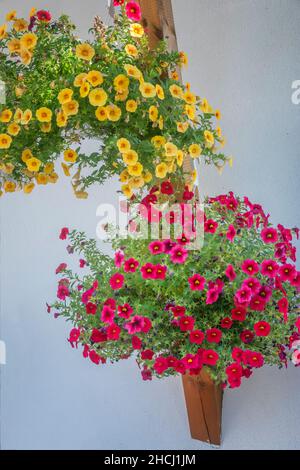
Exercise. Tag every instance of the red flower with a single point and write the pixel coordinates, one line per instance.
(186, 323)
(257, 304)
(247, 336)
(234, 382)
(252, 283)
(172, 361)
(210, 226)
(116, 281)
(91, 308)
(111, 303)
(160, 272)
(118, 3)
(237, 354)
(82, 263)
(167, 188)
(250, 266)
(197, 336)
(113, 332)
(297, 324)
(213, 335)
(60, 268)
(262, 328)
(63, 292)
(238, 313)
(156, 247)
(147, 355)
(234, 370)
(196, 282)
(146, 374)
(269, 235)
(269, 268)
(180, 367)
(148, 271)
(283, 307)
(210, 357)
(183, 240)
(296, 280)
(147, 325)
(191, 361)
(98, 336)
(169, 244)
(133, 11)
(178, 254)
(178, 311)
(94, 357)
(230, 272)
(287, 272)
(226, 323)
(64, 233)
(160, 365)
(74, 337)
(124, 311)
(107, 314)
(131, 265)
(43, 15)
(254, 359)
(231, 233)
(136, 342)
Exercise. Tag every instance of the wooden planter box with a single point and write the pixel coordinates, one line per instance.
(204, 407)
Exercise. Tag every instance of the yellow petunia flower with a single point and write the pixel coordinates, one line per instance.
(13, 129)
(66, 169)
(26, 117)
(95, 78)
(136, 30)
(131, 50)
(18, 115)
(209, 138)
(161, 123)
(190, 111)
(153, 113)
(161, 170)
(124, 176)
(176, 91)
(26, 155)
(19, 91)
(131, 106)
(158, 141)
(127, 191)
(44, 114)
(160, 92)
(113, 112)
(7, 168)
(70, 156)
(81, 194)
(65, 95)
(147, 90)
(61, 119)
(98, 97)
(189, 97)
(26, 56)
(9, 187)
(174, 75)
(5, 141)
(33, 164)
(42, 178)
(219, 131)
(179, 158)
(32, 12)
(46, 127)
(122, 96)
(195, 150)
(11, 15)
(133, 71)
(84, 90)
(131, 157)
(85, 51)
(14, 46)
(218, 114)
(53, 177)
(121, 83)
(5, 115)
(136, 169)
(20, 25)
(28, 188)
(80, 79)
(136, 182)
(183, 58)
(170, 149)
(204, 106)
(123, 145)
(147, 176)
(3, 30)
(49, 167)
(70, 108)
(28, 40)
(101, 113)
(182, 127)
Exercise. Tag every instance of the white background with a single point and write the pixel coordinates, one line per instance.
(244, 56)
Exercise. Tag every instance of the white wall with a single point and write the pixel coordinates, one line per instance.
(243, 58)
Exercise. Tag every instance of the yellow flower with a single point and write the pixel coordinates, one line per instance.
(171, 149)
(81, 194)
(14, 46)
(182, 127)
(130, 157)
(161, 123)
(94, 77)
(161, 170)
(174, 75)
(19, 91)
(127, 191)
(18, 115)
(80, 79)
(136, 182)
(124, 176)
(131, 106)
(147, 176)
(20, 25)
(26, 56)
(147, 90)
(136, 30)
(190, 111)
(46, 127)
(26, 155)
(9, 187)
(44, 114)
(160, 92)
(101, 113)
(136, 169)
(85, 51)
(218, 114)
(121, 83)
(65, 95)
(7, 168)
(41, 178)
(84, 90)
(153, 113)
(3, 29)
(158, 141)
(33, 164)
(5, 115)
(122, 96)
(133, 71)
(179, 158)
(189, 97)
(204, 105)
(28, 188)
(66, 169)
(28, 40)
(209, 138)
(71, 108)
(113, 112)
(195, 150)
(219, 131)
(176, 91)
(26, 117)
(131, 50)
(11, 15)
(123, 145)
(49, 167)
(53, 177)
(70, 156)
(32, 12)
(61, 119)
(5, 141)
(183, 58)
(98, 97)
(13, 129)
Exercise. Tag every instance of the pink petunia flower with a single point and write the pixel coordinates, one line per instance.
(133, 11)
(156, 248)
(283, 307)
(226, 323)
(113, 332)
(135, 325)
(210, 357)
(131, 265)
(98, 336)
(116, 281)
(265, 293)
(64, 233)
(160, 272)
(257, 304)
(247, 336)
(160, 365)
(253, 284)
(212, 296)
(119, 258)
(136, 342)
(147, 325)
(243, 295)
(251, 267)
(231, 233)
(168, 245)
(82, 263)
(107, 315)
(196, 282)
(167, 188)
(191, 361)
(178, 254)
(148, 271)
(124, 311)
(254, 359)
(91, 308)
(269, 268)
(262, 328)
(210, 226)
(63, 292)
(60, 268)
(269, 235)
(287, 272)
(147, 355)
(239, 313)
(74, 337)
(230, 273)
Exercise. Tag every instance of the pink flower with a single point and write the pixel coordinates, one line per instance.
(119, 258)
(243, 295)
(147, 325)
(116, 281)
(91, 308)
(183, 240)
(262, 328)
(131, 265)
(212, 296)
(257, 304)
(118, 3)
(213, 335)
(197, 336)
(210, 226)
(210, 357)
(283, 307)
(64, 233)
(269, 235)
(180, 367)
(167, 188)
(238, 313)
(160, 272)
(74, 337)
(250, 267)
(265, 293)
(124, 311)
(172, 361)
(133, 11)
(156, 248)
(135, 325)
(186, 323)
(148, 271)
(231, 233)
(269, 268)
(253, 284)
(178, 254)
(287, 272)
(147, 355)
(82, 263)
(107, 315)
(191, 361)
(297, 324)
(60, 268)
(230, 273)
(111, 303)
(196, 282)
(168, 245)
(160, 365)
(63, 292)
(226, 323)
(296, 280)
(113, 332)
(136, 342)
